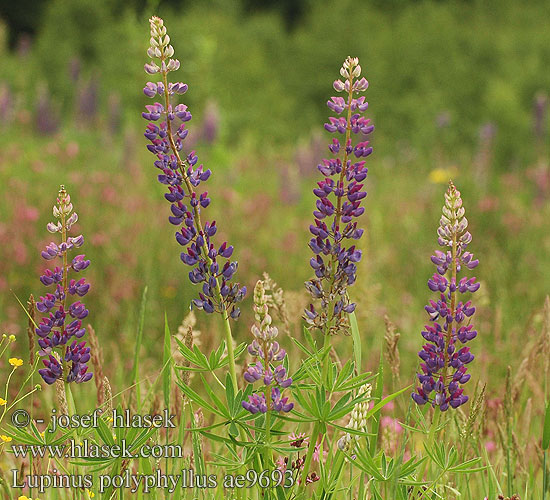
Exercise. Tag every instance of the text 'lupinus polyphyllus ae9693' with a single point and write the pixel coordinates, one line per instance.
(340, 195)
(180, 174)
(444, 366)
(63, 361)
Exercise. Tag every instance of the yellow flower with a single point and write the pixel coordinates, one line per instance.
(4, 438)
(12, 338)
(90, 493)
(442, 175)
(23, 497)
(15, 362)
(2, 402)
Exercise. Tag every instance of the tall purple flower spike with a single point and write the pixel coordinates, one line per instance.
(166, 132)
(63, 321)
(339, 205)
(444, 357)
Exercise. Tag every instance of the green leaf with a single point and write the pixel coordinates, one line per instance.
(304, 403)
(188, 354)
(194, 396)
(233, 430)
(385, 401)
(367, 464)
(217, 401)
(203, 360)
(341, 404)
(356, 340)
(104, 432)
(302, 347)
(310, 339)
(378, 396)
(410, 466)
(195, 438)
(229, 392)
(467, 466)
(345, 372)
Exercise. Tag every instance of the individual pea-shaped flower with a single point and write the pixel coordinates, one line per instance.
(338, 206)
(63, 320)
(443, 367)
(166, 131)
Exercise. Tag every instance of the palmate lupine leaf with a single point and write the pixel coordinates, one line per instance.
(201, 363)
(220, 405)
(196, 398)
(35, 438)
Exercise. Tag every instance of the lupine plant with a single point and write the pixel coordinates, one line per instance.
(65, 355)
(339, 205)
(444, 363)
(266, 351)
(210, 263)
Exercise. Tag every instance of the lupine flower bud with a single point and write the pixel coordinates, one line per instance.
(443, 363)
(358, 419)
(210, 262)
(339, 203)
(266, 352)
(54, 331)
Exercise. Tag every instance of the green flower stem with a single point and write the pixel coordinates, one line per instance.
(336, 474)
(229, 342)
(5, 347)
(338, 211)
(6, 394)
(326, 359)
(182, 163)
(431, 438)
(312, 442)
(544, 476)
(72, 411)
(267, 393)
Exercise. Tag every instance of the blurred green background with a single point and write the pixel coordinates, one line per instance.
(457, 89)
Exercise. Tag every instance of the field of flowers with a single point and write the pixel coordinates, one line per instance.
(215, 307)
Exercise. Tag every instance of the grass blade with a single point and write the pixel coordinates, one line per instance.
(166, 363)
(139, 340)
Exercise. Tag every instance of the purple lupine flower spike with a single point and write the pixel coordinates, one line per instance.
(266, 352)
(166, 133)
(339, 195)
(64, 320)
(443, 362)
